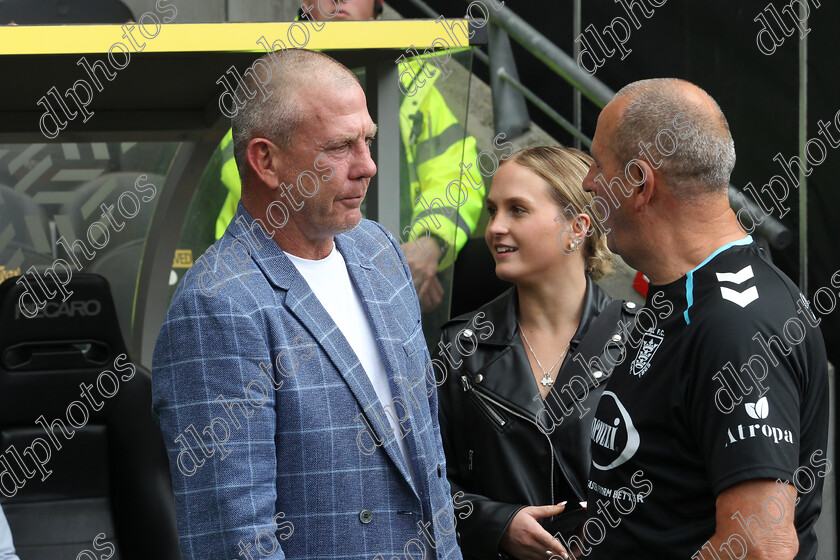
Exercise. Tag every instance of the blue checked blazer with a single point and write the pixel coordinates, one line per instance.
(277, 443)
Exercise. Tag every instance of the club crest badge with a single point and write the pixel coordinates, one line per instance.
(650, 344)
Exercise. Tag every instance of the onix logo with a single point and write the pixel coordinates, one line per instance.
(614, 437)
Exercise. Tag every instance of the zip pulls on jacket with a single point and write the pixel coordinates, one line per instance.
(481, 404)
(468, 387)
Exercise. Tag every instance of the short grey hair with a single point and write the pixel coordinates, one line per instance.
(703, 159)
(279, 116)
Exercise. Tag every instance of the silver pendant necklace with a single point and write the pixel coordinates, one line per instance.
(546, 380)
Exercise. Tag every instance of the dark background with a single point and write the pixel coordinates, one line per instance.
(713, 44)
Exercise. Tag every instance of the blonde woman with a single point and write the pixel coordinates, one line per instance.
(516, 405)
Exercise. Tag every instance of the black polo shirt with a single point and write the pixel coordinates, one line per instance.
(728, 383)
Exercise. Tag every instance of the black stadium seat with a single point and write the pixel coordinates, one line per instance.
(107, 474)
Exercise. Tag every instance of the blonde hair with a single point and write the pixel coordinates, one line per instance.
(564, 169)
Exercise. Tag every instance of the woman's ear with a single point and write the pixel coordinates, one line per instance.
(581, 227)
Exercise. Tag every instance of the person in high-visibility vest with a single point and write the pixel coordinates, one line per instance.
(434, 145)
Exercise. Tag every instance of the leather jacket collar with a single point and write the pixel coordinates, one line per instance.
(502, 312)
(514, 384)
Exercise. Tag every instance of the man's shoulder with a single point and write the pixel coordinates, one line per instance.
(745, 301)
(741, 286)
(226, 270)
(224, 291)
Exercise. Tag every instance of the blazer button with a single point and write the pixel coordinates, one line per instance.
(365, 516)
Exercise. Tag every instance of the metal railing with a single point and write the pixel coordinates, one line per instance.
(509, 93)
(502, 71)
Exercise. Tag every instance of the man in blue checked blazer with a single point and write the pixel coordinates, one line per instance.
(290, 375)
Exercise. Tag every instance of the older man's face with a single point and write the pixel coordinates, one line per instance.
(605, 167)
(334, 142)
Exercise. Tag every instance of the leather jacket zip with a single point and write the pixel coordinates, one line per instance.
(480, 402)
(560, 464)
(493, 414)
(481, 396)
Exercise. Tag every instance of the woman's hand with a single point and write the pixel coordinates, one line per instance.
(525, 539)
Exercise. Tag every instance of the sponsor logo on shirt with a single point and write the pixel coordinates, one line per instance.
(650, 344)
(604, 434)
(758, 410)
(617, 439)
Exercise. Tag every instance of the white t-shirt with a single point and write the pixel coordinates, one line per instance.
(329, 280)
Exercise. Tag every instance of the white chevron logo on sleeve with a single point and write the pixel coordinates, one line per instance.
(741, 298)
(736, 277)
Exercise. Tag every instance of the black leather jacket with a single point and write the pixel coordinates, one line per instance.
(490, 415)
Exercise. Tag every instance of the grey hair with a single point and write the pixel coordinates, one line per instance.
(278, 115)
(704, 155)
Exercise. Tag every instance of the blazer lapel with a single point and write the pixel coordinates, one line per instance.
(302, 303)
(306, 308)
(375, 292)
(506, 372)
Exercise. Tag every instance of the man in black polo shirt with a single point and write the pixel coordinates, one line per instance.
(709, 442)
